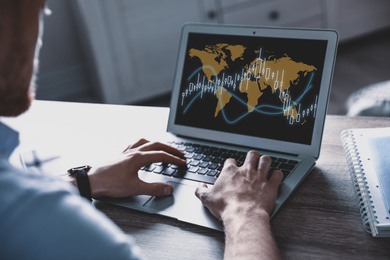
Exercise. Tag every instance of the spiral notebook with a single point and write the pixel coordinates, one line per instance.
(367, 152)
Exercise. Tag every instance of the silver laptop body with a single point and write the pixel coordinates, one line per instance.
(241, 88)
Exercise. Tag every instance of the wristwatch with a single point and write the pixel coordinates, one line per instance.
(81, 175)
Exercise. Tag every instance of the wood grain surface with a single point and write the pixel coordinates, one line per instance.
(320, 220)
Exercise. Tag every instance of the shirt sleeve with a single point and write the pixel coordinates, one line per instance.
(42, 218)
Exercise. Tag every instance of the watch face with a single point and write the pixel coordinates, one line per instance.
(84, 168)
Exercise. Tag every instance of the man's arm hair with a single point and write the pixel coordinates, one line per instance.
(249, 236)
(243, 198)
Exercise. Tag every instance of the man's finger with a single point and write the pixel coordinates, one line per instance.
(264, 164)
(229, 161)
(140, 142)
(156, 146)
(252, 159)
(200, 191)
(276, 178)
(145, 158)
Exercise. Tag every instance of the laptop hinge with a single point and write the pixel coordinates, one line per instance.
(216, 143)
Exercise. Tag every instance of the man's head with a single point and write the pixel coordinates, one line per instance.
(19, 31)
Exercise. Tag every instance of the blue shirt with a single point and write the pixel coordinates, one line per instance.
(44, 218)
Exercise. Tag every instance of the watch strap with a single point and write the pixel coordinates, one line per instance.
(81, 175)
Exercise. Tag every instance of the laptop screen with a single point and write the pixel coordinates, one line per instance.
(266, 87)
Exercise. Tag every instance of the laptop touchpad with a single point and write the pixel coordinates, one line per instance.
(183, 199)
(183, 205)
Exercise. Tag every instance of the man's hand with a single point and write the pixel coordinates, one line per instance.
(242, 188)
(120, 179)
(243, 198)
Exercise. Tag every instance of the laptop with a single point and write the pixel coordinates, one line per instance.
(241, 88)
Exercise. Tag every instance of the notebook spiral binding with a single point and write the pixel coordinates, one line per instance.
(361, 189)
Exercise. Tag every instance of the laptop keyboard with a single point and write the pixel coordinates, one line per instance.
(204, 163)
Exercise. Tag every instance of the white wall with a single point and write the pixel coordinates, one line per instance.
(69, 58)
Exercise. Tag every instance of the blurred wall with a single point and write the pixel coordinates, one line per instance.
(63, 72)
(67, 59)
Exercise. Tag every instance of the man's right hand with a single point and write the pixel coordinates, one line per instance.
(242, 188)
(243, 198)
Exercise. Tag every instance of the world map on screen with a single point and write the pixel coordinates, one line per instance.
(263, 87)
(277, 74)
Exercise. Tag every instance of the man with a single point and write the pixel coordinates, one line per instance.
(44, 218)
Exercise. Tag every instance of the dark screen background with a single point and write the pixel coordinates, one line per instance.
(199, 112)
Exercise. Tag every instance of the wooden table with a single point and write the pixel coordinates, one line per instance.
(321, 219)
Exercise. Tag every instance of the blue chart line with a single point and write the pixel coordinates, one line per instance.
(257, 109)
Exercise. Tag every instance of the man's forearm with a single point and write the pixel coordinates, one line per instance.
(249, 236)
